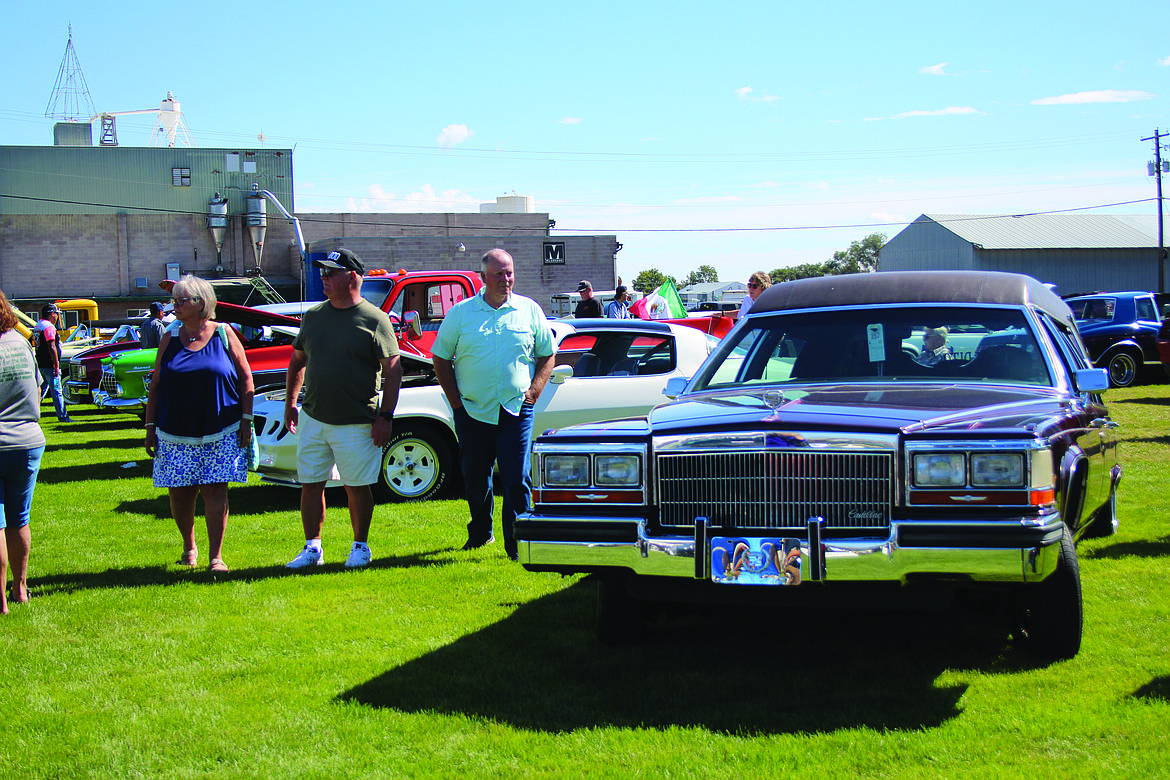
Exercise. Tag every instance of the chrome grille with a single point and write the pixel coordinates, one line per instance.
(768, 489)
(109, 383)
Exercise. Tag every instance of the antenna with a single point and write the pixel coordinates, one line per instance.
(70, 99)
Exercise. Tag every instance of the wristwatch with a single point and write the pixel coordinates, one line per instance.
(387, 416)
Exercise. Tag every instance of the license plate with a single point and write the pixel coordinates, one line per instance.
(741, 560)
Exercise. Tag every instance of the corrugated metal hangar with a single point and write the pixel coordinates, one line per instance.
(1077, 252)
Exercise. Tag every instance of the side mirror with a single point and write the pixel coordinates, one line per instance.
(1091, 380)
(560, 374)
(413, 325)
(675, 386)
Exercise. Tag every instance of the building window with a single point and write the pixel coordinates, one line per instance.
(181, 177)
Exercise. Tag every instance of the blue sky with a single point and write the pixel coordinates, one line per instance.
(744, 135)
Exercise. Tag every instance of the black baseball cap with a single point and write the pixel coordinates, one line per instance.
(49, 308)
(343, 259)
(584, 284)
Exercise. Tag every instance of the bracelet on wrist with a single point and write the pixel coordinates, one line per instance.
(150, 425)
(246, 416)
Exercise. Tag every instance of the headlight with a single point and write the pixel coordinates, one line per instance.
(997, 469)
(940, 469)
(618, 471)
(566, 470)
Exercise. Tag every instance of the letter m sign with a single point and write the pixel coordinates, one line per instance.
(554, 252)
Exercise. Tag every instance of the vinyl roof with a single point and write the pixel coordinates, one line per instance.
(1052, 231)
(919, 287)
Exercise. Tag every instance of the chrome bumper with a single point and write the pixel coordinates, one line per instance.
(102, 398)
(829, 560)
(75, 391)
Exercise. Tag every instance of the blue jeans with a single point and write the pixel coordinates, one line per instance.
(480, 445)
(53, 385)
(18, 478)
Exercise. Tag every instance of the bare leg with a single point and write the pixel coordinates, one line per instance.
(18, 542)
(183, 510)
(313, 508)
(215, 506)
(361, 511)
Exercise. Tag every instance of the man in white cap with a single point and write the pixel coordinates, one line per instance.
(589, 306)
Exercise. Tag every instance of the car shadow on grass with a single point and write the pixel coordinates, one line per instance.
(1144, 548)
(735, 671)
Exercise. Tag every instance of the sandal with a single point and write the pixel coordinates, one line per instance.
(189, 558)
(217, 564)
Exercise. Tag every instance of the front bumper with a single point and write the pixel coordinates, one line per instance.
(999, 551)
(75, 391)
(105, 400)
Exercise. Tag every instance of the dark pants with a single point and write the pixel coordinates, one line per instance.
(482, 444)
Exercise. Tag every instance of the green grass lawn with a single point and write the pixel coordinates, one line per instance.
(434, 662)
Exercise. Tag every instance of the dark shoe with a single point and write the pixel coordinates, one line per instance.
(511, 549)
(476, 545)
(64, 419)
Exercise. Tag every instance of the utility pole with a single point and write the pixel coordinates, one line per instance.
(1155, 170)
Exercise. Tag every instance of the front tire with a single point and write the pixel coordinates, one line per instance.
(1053, 620)
(417, 465)
(1123, 369)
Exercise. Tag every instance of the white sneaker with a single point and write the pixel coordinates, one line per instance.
(310, 556)
(359, 556)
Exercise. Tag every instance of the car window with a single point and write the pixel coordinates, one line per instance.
(945, 344)
(1146, 310)
(617, 354)
(1093, 308)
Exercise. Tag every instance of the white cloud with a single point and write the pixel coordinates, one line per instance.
(934, 70)
(1095, 96)
(571, 120)
(425, 200)
(949, 111)
(768, 184)
(1164, 61)
(453, 134)
(745, 93)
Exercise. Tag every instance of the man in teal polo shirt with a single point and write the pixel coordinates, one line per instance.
(493, 356)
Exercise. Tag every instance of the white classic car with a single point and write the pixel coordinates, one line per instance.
(604, 369)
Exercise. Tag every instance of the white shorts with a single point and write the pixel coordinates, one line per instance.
(320, 446)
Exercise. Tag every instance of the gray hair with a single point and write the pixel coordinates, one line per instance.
(497, 254)
(194, 287)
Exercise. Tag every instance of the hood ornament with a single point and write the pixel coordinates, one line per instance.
(773, 399)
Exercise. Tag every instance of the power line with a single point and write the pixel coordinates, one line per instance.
(326, 221)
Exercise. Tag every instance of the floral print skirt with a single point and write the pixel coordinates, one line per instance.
(178, 464)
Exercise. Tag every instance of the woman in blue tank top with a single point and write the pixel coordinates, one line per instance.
(199, 416)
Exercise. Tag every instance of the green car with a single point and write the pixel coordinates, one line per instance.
(121, 385)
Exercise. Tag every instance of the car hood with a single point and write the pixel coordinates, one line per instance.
(870, 408)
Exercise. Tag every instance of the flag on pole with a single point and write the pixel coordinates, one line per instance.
(662, 304)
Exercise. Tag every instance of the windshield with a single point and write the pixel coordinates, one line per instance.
(947, 344)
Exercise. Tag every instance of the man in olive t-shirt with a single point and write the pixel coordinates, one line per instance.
(343, 346)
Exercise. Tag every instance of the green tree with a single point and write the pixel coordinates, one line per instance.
(702, 275)
(650, 280)
(802, 271)
(860, 258)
